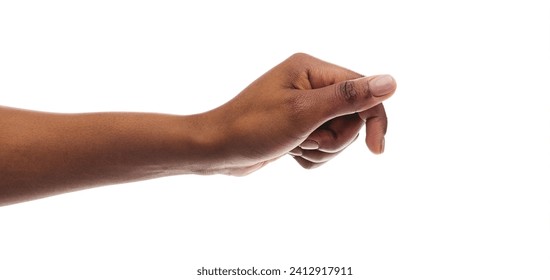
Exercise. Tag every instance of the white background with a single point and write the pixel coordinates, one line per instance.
(462, 191)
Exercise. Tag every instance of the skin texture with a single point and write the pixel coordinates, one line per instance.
(304, 107)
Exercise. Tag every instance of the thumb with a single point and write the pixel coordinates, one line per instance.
(351, 96)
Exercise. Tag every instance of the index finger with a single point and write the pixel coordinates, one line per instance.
(315, 73)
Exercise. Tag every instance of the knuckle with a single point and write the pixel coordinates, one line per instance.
(299, 56)
(351, 91)
(347, 90)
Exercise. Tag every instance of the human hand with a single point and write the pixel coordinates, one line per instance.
(304, 107)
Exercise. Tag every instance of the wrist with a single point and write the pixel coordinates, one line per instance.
(199, 146)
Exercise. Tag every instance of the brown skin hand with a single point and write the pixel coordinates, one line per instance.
(304, 107)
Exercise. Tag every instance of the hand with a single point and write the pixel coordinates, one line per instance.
(304, 107)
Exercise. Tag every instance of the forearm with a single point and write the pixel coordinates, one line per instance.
(44, 154)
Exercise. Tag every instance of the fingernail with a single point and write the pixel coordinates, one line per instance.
(309, 145)
(382, 145)
(381, 85)
(295, 152)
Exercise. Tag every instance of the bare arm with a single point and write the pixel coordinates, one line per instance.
(304, 107)
(44, 154)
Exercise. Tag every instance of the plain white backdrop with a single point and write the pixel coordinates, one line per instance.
(462, 191)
